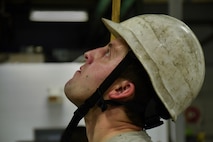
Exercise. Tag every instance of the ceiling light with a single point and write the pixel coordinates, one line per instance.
(58, 16)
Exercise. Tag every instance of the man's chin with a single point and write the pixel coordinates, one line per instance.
(77, 103)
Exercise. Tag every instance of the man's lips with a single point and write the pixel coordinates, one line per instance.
(80, 69)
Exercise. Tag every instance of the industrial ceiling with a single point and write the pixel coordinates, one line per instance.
(64, 41)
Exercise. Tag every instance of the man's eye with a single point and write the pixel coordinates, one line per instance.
(107, 52)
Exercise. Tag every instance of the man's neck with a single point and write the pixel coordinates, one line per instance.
(104, 125)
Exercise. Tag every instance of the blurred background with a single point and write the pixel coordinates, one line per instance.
(40, 52)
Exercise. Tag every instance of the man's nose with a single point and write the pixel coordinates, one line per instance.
(88, 57)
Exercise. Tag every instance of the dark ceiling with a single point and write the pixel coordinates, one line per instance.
(71, 39)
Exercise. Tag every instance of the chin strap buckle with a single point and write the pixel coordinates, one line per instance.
(101, 102)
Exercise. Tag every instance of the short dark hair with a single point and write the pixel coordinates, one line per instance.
(144, 93)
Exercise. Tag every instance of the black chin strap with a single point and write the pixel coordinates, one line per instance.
(96, 98)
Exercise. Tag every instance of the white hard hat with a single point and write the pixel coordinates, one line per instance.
(170, 53)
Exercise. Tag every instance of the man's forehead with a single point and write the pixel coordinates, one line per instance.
(118, 41)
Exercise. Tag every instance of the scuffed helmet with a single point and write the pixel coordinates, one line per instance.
(170, 53)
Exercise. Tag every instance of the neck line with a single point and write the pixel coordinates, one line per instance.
(101, 126)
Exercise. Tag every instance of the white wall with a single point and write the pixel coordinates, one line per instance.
(23, 99)
(24, 105)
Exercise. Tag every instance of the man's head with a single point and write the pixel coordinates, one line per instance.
(167, 51)
(169, 64)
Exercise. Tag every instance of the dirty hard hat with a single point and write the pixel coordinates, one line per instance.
(170, 53)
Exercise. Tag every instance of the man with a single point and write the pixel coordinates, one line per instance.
(152, 70)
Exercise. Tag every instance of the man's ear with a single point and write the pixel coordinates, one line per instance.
(122, 90)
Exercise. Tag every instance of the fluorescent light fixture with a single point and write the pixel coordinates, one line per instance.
(58, 16)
